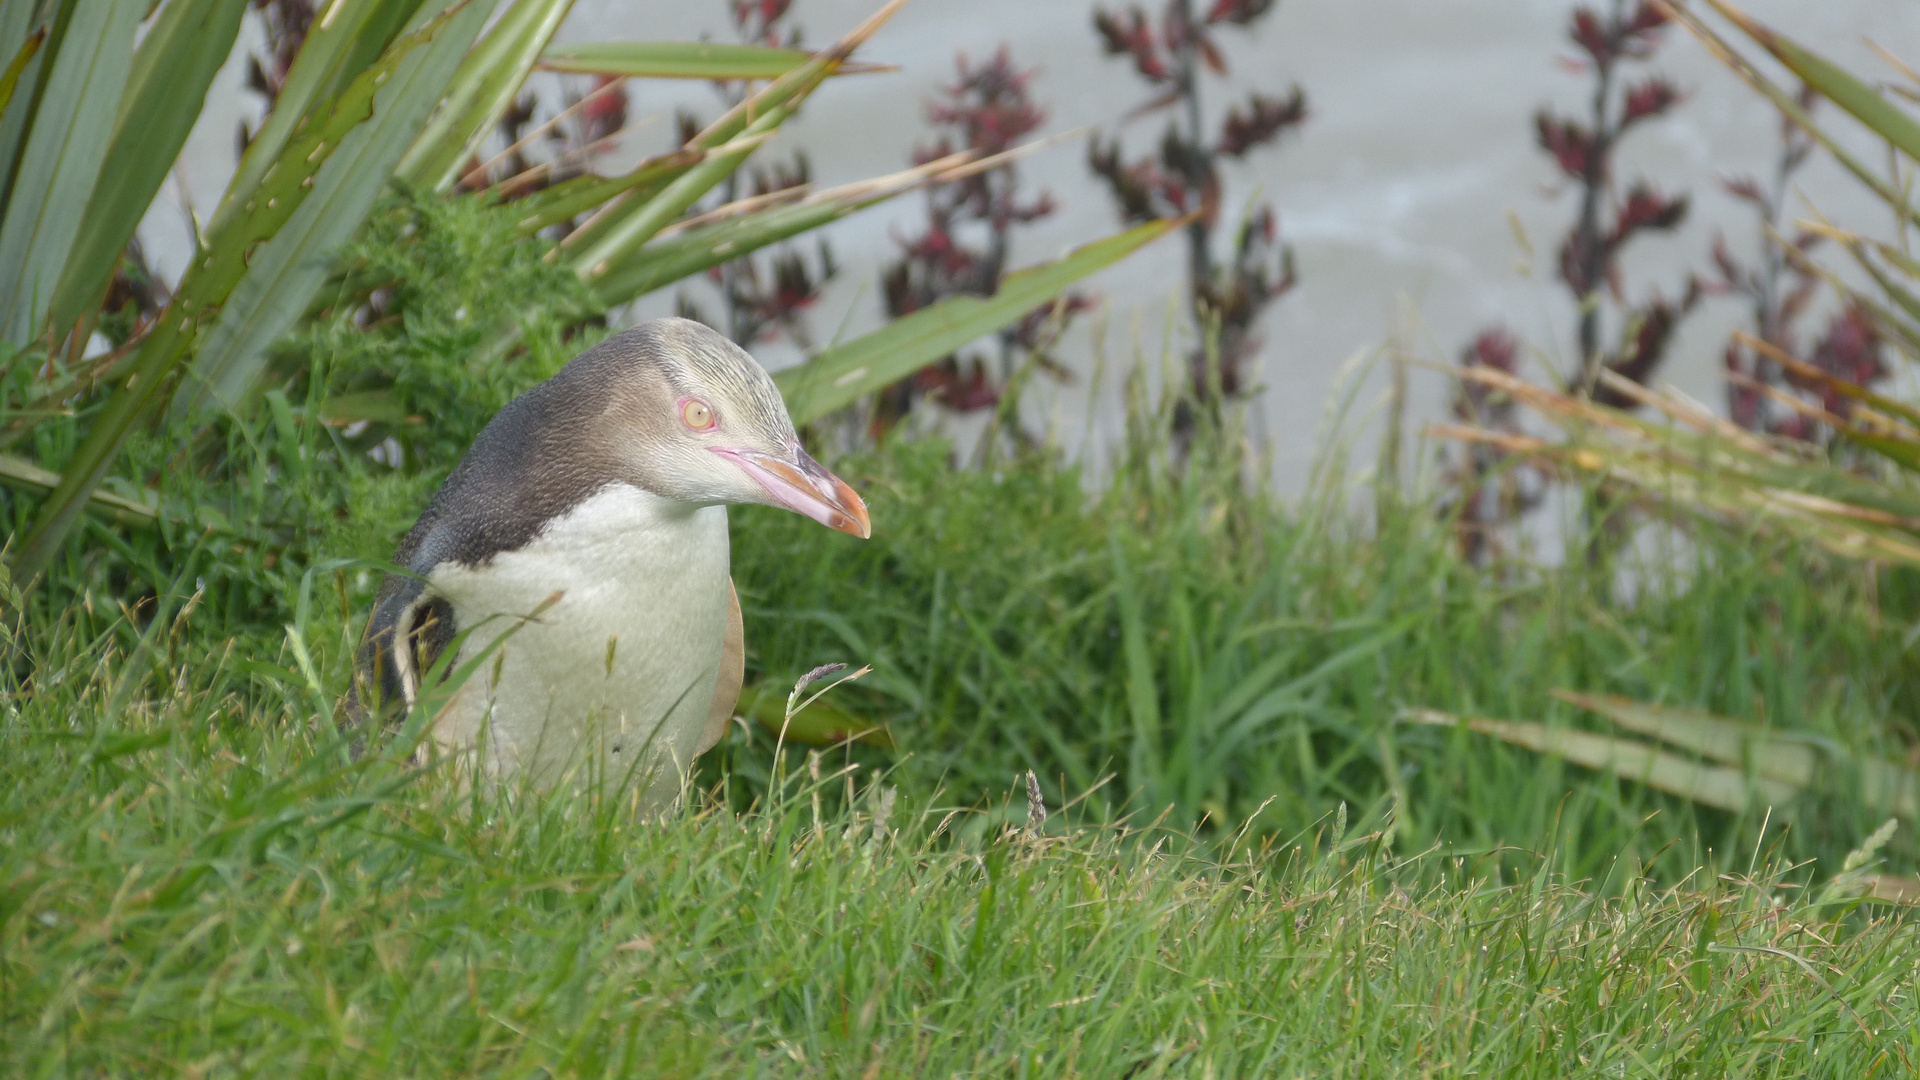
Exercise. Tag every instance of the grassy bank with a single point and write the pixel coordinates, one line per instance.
(1256, 864)
(198, 880)
(1173, 642)
(197, 892)
(1159, 647)
(1236, 659)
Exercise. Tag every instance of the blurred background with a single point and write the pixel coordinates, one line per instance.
(1416, 199)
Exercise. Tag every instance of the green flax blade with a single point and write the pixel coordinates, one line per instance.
(72, 128)
(1833, 82)
(676, 60)
(10, 78)
(1717, 786)
(844, 373)
(286, 272)
(487, 82)
(207, 285)
(175, 65)
(332, 53)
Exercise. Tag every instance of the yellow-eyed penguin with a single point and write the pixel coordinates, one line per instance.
(607, 484)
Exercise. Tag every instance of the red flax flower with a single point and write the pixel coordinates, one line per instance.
(1646, 210)
(1238, 12)
(1780, 286)
(1488, 488)
(1646, 339)
(989, 105)
(757, 21)
(964, 247)
(1584, 149)
(1133, 37)
(1226, 289)
(1261, 121)
(1851, 350)
(1593, 36)
(1616, 335)
(605, 111)
(1649, 98)
(1646, 19)
(1570, 144)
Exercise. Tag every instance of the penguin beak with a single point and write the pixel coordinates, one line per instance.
(804, 486)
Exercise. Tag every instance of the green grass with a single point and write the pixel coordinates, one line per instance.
(1230, 658)
(195, 879)
(1264, 871)
(1173, 640)
(197, 892)
(1227, 658)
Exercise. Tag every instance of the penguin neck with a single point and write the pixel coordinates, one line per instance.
(632, 644)
(621, 525)
(621, 535)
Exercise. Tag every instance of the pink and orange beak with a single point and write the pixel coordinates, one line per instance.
(804, 486)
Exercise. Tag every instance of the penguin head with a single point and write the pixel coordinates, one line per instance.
(698, 420)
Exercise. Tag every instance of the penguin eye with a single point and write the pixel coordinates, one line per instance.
(696, 414)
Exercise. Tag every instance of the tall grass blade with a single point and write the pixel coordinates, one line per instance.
(1832, 81)
(206, 287)
(1238, 725)
(1727, 741)
(10, 77)
(630, 222)
(480, 91)
(338, 47)
(1714, 470)
(729, 232)
(1879, 785)
(72, 128)
(684, 60)
(1709, 785)
(23, 475)
(637, 221)
(24, 34)
(844, 373)
(640, 196)
(669, 259)
(795, 85)
(570, 198)
(1785, 102)
(1142, 687)
(1823, 377)
(283, 276)
(172, 70)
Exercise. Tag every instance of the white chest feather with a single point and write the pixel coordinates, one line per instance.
(618, 674)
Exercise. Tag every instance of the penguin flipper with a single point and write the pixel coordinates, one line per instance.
(405, 635)
(428, 630)
(733, 672)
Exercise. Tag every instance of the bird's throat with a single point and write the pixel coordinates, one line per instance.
(612, 683)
